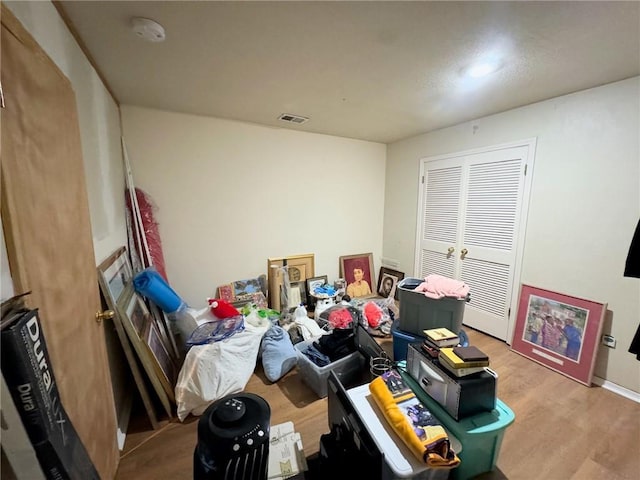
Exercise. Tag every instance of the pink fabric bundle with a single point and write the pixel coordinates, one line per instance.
(373, 314)
(340, 318)
(437, 286)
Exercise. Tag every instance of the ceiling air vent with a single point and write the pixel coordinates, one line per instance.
(287, 117)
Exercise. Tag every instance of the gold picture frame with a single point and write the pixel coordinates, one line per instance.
(303, 266)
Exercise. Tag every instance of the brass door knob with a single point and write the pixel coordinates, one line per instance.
(463, 252)
(106, 315)
(450, 250)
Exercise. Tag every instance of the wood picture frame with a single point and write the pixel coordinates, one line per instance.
(388, 282)
(303, 266)
(349, 265)
(559, 331)
(114, 274)
(131, 308)
(106, 272)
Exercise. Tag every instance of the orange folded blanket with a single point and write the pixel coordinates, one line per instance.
(412, 421)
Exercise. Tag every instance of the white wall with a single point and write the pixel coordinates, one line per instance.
(231, 194)
(585, 201)
(98, 116)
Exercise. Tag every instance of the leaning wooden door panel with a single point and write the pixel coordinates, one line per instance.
(46, 221)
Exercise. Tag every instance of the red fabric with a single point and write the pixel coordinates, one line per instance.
(340, 318)
(150, 229)
(373, 313)
(222, 309)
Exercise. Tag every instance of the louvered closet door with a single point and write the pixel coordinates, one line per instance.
(468, 227)
(494, 184)
(440, 220)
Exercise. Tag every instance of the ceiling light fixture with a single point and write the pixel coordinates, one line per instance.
(148, 29)
(482, 69)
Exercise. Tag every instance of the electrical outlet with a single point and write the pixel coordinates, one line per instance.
(609, 341)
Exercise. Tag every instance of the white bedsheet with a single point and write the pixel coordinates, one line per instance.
(217, 369)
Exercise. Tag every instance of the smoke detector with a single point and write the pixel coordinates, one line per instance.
(148, 29)
(288, 117)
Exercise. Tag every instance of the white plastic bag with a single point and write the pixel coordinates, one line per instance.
(214, 370)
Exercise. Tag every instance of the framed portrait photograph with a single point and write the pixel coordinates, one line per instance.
(358, 272)
(559, 331)
(388, 282)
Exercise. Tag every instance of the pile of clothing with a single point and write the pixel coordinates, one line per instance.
(329, 348)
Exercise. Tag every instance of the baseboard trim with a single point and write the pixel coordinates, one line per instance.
(615, 388)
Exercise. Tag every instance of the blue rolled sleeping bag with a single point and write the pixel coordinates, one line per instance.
(151, 284)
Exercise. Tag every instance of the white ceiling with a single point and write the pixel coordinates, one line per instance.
(379, 71)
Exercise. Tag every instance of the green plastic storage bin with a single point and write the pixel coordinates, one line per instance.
(480, 435)
(419, 312)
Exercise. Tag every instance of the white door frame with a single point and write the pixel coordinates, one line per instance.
(530, 143)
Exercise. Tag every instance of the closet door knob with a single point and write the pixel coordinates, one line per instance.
(463, 252)
(106, 315)
(450, 250)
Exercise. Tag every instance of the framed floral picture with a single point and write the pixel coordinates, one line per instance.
(559, 331)
(357, 270)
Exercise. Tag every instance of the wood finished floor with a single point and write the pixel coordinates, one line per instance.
(563, 430)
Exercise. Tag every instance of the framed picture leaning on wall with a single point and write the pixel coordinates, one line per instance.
(300, 267)
(115, 280)
(388, 282)
(559, 331)
(358, 272)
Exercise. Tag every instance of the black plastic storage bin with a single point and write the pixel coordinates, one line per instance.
(419, 312)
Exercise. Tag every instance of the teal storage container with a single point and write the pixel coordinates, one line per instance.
(480, 435)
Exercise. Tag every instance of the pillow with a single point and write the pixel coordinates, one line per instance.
(278, 353)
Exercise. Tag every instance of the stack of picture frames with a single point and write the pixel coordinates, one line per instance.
(144, 333)
(300, 268)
